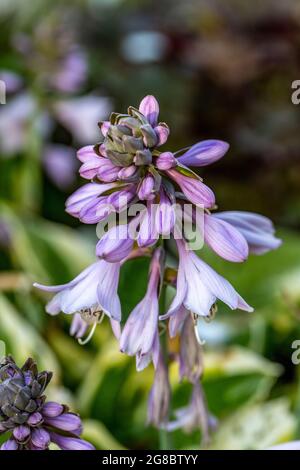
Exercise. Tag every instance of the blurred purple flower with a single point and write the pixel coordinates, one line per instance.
(80, 115)
(14, 123)
(13, 81)
(60, 165)
(71, 73)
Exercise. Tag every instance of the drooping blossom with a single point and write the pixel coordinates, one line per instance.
(140, 334)
(27, 420)
(194, 416)
(159, 397)
(92, 294)
(199, 286)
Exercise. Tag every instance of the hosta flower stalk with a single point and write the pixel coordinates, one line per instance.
(129, 168)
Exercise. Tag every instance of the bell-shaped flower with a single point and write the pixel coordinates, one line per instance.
(199, 286)
(140, 334)
(255, 228)
(92, 292)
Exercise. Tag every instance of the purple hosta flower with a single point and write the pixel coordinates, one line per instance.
(90, 206)
(148, 233)
(79, 115)
(204, 153)
(129, 154)
(140, 334)
(13, 81)
(116, 244)
(190, 354)
(166, 161)
(192, 187)
(131, 138)
(227, 241)
(159, 397)
(199, 286)
(157, 219)
(146, 190)
(256, 229)
(60, 165)
(92, 294)
(165, 213)
(94, 165)
(14, 119)
(194, 416)
(86, 201)
(27, 420)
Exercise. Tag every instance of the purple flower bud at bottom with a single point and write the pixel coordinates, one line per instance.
(21, 433)
(11, 444)
(40, 438)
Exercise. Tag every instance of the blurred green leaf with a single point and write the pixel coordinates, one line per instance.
(22, 340)
(96, 432)
(256, 427)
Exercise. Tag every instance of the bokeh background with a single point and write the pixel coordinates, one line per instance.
(220, 70)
